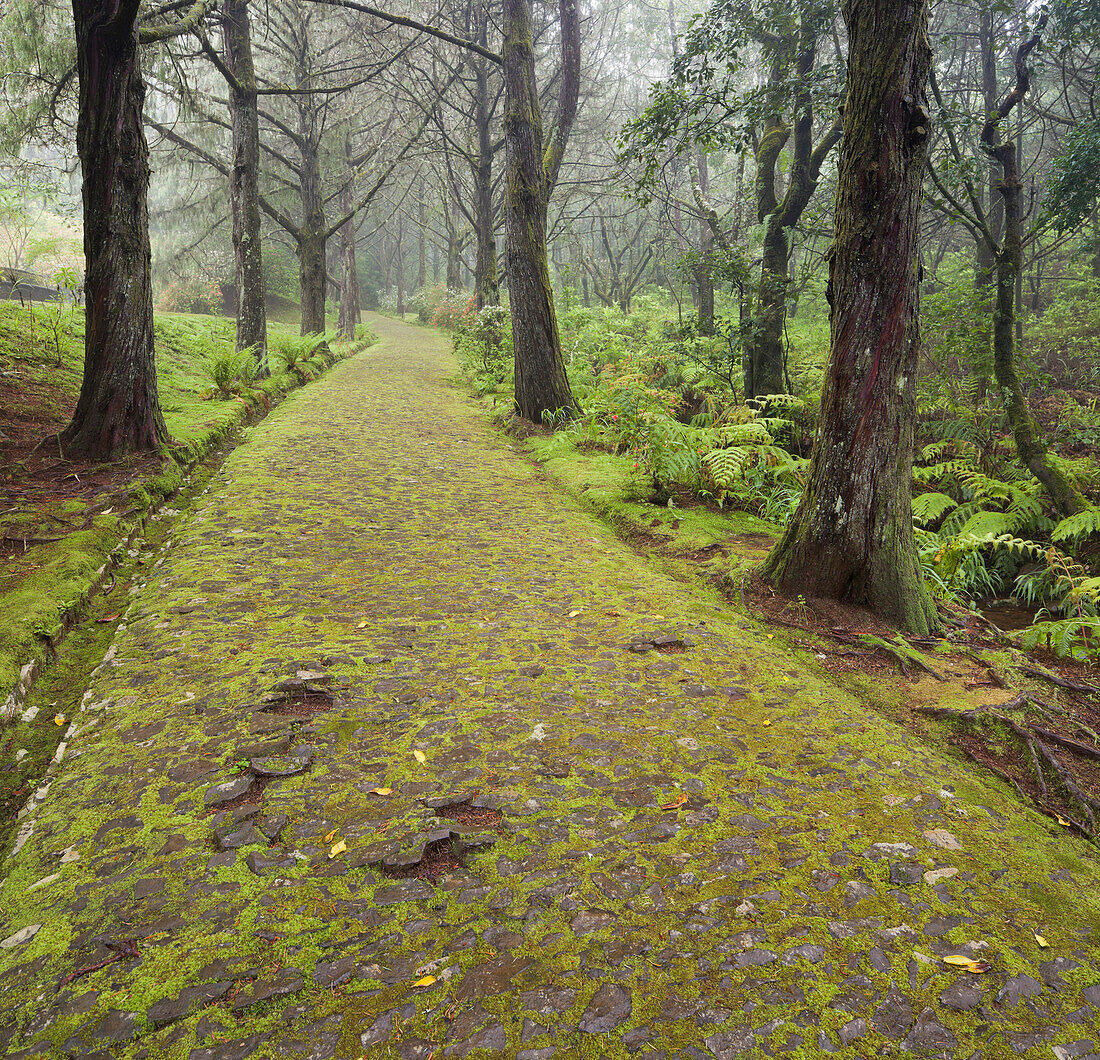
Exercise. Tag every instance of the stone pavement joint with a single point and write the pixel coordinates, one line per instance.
(386, 761)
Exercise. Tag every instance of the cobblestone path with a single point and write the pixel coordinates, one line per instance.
(379, 652)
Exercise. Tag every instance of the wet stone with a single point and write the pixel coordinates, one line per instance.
(224, 1050)
(333, 973)
(855, 891)
(929, 1037)
(406, 891)
(191, 998)
(894, 1016)
(548, 1000)
(283, 765)
(609, 1007)
(1017, 988)
(234, 836)
(592, 920)
(852, 1030)
(492, 977)
(379, 1031)
(264, 866)
(227, 791)
(811, 953)
(117, 1026)
(905, 873)
(962, 995)
(288, 981)
(729, 1044)
(1052, 971)
(487, 1038)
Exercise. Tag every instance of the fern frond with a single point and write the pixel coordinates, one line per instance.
(1075, 527)
(928, 507)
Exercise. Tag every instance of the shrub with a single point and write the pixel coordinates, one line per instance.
(193, 295)
(483, 345)
(230, 371)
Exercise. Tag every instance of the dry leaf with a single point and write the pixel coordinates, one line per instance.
(426, 981)
(1043, 944)
(381, 791)
(960, 961)
(1062, 821)
(328, 838)
(419, 756)
(338, 848)
(59, 719)
(361, 624)
(573, 614)
(675, 805)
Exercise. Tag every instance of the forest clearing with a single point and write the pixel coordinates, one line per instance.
(549, 530)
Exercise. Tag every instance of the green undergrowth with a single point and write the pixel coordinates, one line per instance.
(68, 539)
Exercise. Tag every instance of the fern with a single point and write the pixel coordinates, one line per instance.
(929, 507)
(1074, 528)
(1077, 637)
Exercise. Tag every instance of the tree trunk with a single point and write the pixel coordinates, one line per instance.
(454, 263)
(422, 242)
(312, 278)
(486, 281)
(349, 274)
(541, 383)
(771, 311)
(852, 536)
(704, 276)
(1026, 433)
(244, 188)
(118, 410)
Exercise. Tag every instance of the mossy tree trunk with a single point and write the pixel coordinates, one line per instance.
(486, 277)
(704, 275)
(764, 347)
(1008, 261)
(118, 410)
(541, 383)
(852, 536)
(244, 187)
(349, 315)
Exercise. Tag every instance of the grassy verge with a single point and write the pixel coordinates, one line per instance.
(65, 525)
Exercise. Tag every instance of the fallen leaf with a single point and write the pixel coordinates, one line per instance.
(573, 614)
(766, 721)
(675, 805)
(960, 961)
(59, 719)
(381, 791)
(426, 981)
(328, 838)
(1043, 944)
(338, 848)
(361, 624)
(109, 618)
(1062, 821)
(419, 756)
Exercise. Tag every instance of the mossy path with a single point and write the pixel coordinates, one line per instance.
(671, 839)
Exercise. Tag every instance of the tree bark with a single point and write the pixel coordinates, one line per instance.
(244, 187)
(540, 379)
(349, 315)
(486, 279)
(852, 536)
(1030, 446)
(118, 410)
(704, 276)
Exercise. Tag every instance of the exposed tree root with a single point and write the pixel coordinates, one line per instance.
(1061, 682)
(1047, 769)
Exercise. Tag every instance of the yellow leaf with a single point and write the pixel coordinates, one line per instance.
(59, 719)
(766, 721)
(361, 624)
(419, 756)
(573, 614)
(381, 791)
(328, 838)
(960, 961)
(426, 981)
(1043, 944)
(675, 805)
(1062, 821)
(338, 848)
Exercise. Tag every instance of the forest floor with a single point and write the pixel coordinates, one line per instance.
(398, 751)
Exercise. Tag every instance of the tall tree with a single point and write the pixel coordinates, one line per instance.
(118, 410)
(852, 537)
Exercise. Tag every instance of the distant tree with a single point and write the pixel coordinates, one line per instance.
(852, 537)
